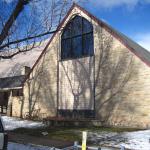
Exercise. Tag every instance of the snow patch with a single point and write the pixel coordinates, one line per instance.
(16, 146)
(11, 123)
(139, 140)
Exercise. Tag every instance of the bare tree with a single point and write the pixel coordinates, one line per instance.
(29, 23)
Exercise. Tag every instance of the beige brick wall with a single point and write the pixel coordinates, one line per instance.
(16, 106)
(76, 84)
(130, 106)
(134, 108)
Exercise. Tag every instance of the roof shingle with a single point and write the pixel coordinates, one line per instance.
(11, 82)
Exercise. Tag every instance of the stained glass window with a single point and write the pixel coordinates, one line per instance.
(77, 39)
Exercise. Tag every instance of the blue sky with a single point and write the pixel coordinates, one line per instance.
(131, 17)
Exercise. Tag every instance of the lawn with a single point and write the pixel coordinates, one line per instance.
(67, 133)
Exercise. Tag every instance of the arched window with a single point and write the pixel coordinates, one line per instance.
(77, 39)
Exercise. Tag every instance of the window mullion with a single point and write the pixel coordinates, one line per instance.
(71, 42)
(82, 36)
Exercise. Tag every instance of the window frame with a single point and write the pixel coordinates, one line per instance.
(17, 92)
(83, 34)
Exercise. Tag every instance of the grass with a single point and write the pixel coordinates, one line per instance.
(63, 134)
(68, 134)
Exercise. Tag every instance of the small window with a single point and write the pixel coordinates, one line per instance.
(77, 39)
(17, 92)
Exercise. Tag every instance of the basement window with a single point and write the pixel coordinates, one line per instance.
(17, 92)
(77, 39)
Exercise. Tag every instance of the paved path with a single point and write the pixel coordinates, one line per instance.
(26, 139)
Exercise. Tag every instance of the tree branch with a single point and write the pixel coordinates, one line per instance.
(25, 39)
(18, 9)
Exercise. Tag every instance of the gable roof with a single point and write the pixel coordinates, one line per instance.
(135, 48)
(13, 66)
(11, 82)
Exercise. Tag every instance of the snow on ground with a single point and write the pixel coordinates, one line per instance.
(16, 146)
(11, 123)
(139, 140)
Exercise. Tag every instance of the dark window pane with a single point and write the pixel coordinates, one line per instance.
(87, 27)
(66, 49)
(77, 47)
(77, 39)
(77, 26)
(18, 92)
(67, 31)
(88, 44)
